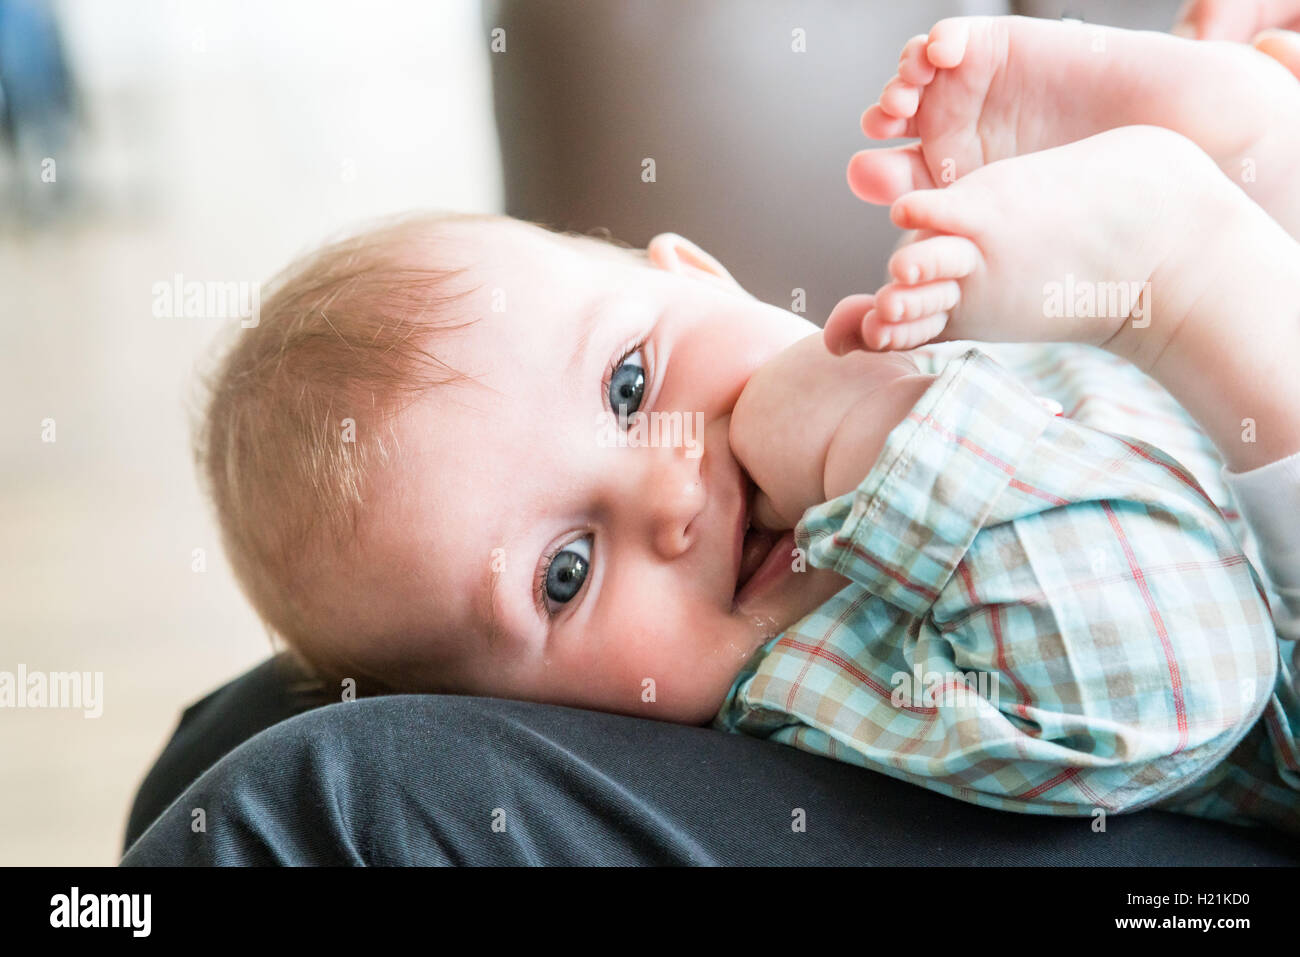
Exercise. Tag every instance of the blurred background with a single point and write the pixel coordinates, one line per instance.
(145, 139)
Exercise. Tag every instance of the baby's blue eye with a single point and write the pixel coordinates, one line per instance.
(567, 570)
(627, 386)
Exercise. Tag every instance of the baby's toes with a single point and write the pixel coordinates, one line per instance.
(913, 65)
(882, 175)
(876, 334)
(880, 336)
(880, 125)
(947, 46)
(909, 335)
(898, 303)
(940, 257)
(959, 209)
(900, 98)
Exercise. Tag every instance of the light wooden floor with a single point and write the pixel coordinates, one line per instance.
(223, 139)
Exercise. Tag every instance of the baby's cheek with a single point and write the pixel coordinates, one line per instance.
(660, 650)
(651, 668)
(682, 669)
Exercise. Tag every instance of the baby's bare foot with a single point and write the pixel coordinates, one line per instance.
(981, 89)
(1112, 240)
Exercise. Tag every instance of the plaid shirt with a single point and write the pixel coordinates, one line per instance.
(1047, 613)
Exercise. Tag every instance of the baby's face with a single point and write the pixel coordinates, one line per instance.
(520, 549)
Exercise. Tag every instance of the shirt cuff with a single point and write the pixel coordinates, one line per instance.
(902, 532)
(1269, 497)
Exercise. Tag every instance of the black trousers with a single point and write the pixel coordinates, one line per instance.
(427, 779)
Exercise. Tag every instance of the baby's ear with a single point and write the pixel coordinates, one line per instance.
(678, 254)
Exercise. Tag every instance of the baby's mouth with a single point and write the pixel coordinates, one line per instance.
(755, 548)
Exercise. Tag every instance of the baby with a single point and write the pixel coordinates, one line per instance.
(417, 464)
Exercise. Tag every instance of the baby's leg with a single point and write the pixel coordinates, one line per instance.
(981, 89)
(1124, 211)
(1131, 240)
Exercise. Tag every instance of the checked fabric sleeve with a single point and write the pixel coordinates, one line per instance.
(1044, 617)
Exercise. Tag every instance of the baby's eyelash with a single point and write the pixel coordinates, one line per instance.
(613, 367)
(544, 570)
(539, 579)
(544, 566)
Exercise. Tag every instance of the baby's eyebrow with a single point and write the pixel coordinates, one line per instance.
(587, 324)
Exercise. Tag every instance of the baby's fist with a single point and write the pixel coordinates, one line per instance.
(787, 416)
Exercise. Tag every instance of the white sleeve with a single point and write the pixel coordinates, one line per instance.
(1269, 497)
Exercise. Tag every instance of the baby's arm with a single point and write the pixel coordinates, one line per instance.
(1087, 572)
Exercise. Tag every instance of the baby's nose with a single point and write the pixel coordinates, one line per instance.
(673, 497)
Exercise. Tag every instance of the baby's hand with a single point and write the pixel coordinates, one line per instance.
(784, 425)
